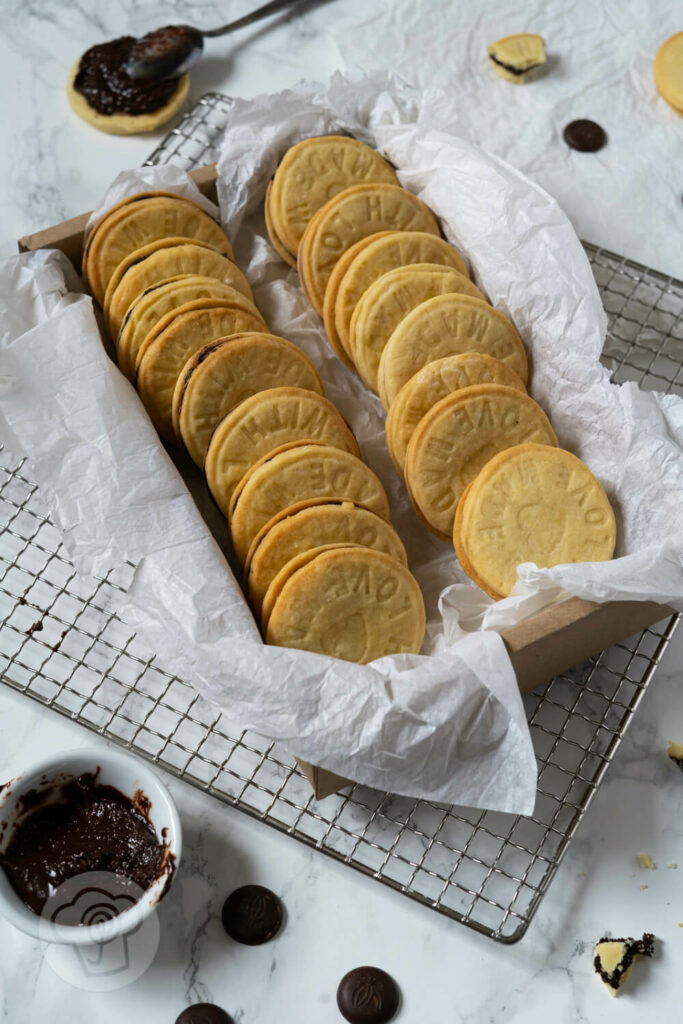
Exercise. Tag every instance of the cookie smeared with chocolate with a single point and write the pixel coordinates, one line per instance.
(614, 958)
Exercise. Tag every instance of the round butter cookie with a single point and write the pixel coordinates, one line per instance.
(457, 437)
(308, 525)
(312, 172)
(432, 383)
(332, 288)
(386, 302)
(351, 603)
(354, 214)
(120, 123)
(277, 243)
(140, 219)
(264, 422)
(392, 250)
(443, 326)
(176, 337)
(154, 263)
(296, 472)
(287, 570)
(224, 373)
(158, 300)
(531, 503)
(668, 72)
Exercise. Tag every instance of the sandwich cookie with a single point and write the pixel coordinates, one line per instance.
(432, 383)
(299, 471)
(157, 262)
(176, 337)
(264, 422)
(457, 437)
(354, 214)
(350, 280)
(531, 503)
(160, 299)
(390, 299)
(288, 570)
(224, 373)
(515, 57)
(311, 173)
(310, 524)
(350, 603)
(135, 222)
(443, 326)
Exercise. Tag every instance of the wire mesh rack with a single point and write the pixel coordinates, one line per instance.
(61, 646)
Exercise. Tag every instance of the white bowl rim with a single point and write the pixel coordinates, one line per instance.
(19, 915)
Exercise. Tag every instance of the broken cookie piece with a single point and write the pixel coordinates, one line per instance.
(675, 752)
(614, 958)
(515, 57)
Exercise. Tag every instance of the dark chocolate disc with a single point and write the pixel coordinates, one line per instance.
(252, 915)
(367, 995)
(204, 1013)
(584, 135)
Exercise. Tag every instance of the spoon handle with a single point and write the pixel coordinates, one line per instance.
(249, 19)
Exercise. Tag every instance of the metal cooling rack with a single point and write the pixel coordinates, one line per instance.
(60, 646)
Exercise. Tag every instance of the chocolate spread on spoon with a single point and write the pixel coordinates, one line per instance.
(108, 88)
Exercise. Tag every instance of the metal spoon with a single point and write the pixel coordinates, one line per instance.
(168, 52)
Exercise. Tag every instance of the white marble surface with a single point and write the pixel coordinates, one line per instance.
(52, 166)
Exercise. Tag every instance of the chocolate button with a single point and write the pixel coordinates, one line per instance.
(584, 135)
(204, 1013)
(367, 995)
(252, 915)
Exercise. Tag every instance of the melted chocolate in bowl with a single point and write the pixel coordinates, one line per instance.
(109, 89)
(75, 827)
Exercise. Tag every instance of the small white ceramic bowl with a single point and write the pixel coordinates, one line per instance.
(128, 775)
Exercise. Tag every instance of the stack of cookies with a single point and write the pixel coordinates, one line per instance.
(451, 371)
(324, 568)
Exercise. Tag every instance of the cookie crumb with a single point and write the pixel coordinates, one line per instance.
(646, 862)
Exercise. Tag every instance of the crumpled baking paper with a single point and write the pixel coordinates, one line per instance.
(447, 724)
(627, 197)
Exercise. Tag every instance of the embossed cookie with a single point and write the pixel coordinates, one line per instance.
(443, 326)
(138, 220)
(668, 71)
(531, 503)
(457, 437)
(349, 281)
(288, 570)
(225, 372)
(159, 261)
(313, 171)
(158, 300)
(432, 383)
(332, 288)
(275, 239)
(354, 214)
(355, 604)
(308, 525)
(298, 472)
(386, 302)
(264, 422)
(176, 337)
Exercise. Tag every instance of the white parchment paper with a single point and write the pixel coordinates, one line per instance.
(447, 724)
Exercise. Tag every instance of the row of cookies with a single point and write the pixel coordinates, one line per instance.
(249, 408)
(451, 370)
(324, 568)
